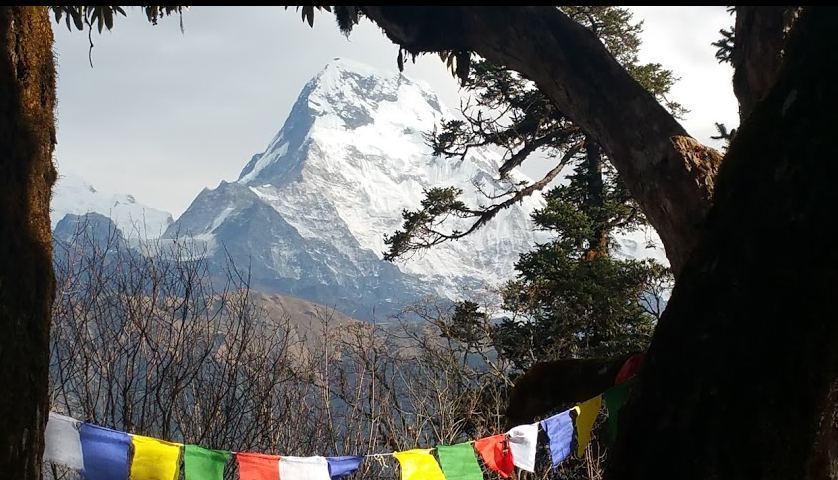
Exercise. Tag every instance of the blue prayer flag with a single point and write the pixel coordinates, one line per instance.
(340, 466)
(559, 429)
(104, 452)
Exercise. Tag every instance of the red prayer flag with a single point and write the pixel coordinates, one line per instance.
(495, 453)
(629, 368)
(257, 466)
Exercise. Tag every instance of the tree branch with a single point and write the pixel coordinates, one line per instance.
(551, 385)
(516, 158)
(418, 230)
(757, 53)
(669, 173)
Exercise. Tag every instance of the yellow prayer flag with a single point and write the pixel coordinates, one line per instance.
(419, 464)
(586, 414)
(155, 459)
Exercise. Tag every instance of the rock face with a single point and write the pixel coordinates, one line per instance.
(308, 215)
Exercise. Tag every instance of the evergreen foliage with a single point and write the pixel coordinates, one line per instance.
(571, 297)
(511, 115)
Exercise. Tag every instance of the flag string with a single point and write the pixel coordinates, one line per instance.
(101, 453)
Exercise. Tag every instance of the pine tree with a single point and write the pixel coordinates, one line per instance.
(575, 297)
(510, 114)
(572, 297)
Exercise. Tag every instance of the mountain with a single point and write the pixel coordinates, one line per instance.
(73, 195)
(308, 215)
(89, 231)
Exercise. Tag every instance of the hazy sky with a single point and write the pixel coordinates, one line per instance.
(164, 113)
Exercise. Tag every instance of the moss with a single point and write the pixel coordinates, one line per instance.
(27, 284)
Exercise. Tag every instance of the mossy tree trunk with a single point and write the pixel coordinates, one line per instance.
(27, 282)
(739, 376)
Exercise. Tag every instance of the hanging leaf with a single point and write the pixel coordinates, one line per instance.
(108, 18)
(99, 15)
(307, 12)
(77, 17)
(347, 18)
(308, 15)
(463, 65)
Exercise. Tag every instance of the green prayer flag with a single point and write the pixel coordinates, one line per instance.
(203, 464)
(613, 399)
(459, 462)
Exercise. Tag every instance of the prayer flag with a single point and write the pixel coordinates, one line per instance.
(343, 465)
(418, 464)
(522, 445)
(303, 468)
(204, 464)
(613, 399)
(459, 462)
(62, 445)
(559, 429)
(105, 452)
(495, 454)
(257, 466)
(586, 414)
(155, 459)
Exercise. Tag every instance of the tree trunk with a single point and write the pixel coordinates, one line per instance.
(27, 281)
(669, 173)
(740, 372)
(759, 34)
(598, 243)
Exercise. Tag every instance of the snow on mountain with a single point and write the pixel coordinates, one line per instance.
(640, 244)
(73, 195)
(365, 154)
(308, 215)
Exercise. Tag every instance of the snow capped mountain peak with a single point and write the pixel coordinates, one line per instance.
(364, 152)
(348, 98)
(349, 158)
(73, 195)
(358, 95)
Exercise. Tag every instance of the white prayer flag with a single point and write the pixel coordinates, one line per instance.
(62, 442)
(522, 445)
(303, 468)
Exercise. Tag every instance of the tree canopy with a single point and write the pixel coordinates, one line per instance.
(574, 297)
(511, 115)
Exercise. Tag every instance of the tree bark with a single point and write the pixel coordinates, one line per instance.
(27, 281)
(759, 34)
(740, 373)
(669, 173)
(598, 243)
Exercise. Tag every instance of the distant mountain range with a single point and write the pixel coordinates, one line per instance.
(73, 195)
(307, 216)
